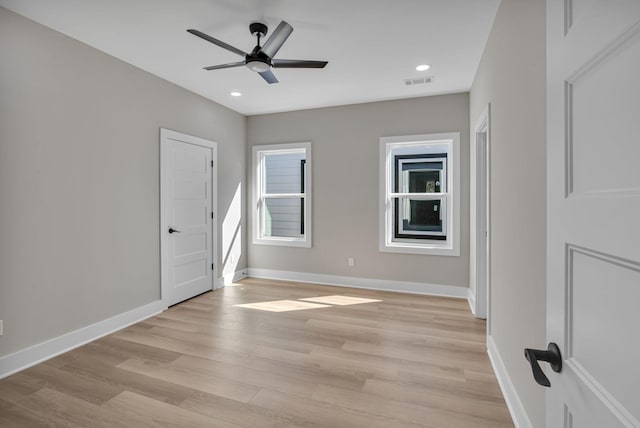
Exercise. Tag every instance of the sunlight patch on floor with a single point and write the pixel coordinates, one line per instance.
(340, 300)
(282, 306)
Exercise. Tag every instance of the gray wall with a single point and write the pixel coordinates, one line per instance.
(512, 77)
(345, 150)
(79, 181)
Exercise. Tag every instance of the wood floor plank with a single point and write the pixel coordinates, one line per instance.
(421, 354)
(14, 416)
(147, 412)
(176, 324)
(460, 383)
(4, 404)
(19, 385)
(102, 374)
(400, 361)
(61, 409)
(429, 416)
(318, 413)
(167, 343)
(388, 327)
(232, 389)
(246, 375)
(243, 414)
(75, 384)
(301, 366)
(482, 408)
(376, 335)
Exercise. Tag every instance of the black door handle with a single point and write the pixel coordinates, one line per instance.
(551, 355)
(172, 230)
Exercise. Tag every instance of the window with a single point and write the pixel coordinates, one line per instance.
(420, 200)
(282, 194)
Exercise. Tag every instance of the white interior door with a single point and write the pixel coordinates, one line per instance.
(187, 225)
(593, 288)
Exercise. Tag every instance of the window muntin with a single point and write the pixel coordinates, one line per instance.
(419, 194)
(282, 194)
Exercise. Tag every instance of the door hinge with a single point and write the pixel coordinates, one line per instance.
(211, 214)
(212, 266)
(211, 164)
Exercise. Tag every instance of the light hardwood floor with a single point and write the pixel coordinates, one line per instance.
(405, 361)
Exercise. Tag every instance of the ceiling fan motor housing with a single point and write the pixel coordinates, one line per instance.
(258, 29)
(257, 60)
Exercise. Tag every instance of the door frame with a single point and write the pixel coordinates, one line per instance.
(167, 135)
(482, 256)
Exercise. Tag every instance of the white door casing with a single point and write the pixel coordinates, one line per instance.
(593, 202)
(187, 226)
(482, 218)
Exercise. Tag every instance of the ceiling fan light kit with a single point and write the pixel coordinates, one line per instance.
(258, 66)
(261, 58)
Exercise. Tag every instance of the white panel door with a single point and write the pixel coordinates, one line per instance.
(187, 224)
(593, 172)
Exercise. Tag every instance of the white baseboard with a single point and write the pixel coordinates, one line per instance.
(369, 283)
(230, 278)
(471, 298)
(33, 355)
(516, 409)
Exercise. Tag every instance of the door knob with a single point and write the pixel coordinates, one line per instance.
(172, 230)
(551, 355)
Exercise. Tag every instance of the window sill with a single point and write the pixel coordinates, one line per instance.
(283, 242)
(408, 248)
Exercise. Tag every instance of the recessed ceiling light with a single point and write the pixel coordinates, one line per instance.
(236, 94)
(423, 67)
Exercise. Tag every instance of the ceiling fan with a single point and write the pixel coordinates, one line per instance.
(261, 58)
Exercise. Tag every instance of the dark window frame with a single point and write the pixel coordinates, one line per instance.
(396, 202)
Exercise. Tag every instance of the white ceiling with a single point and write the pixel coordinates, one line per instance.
(371, 45)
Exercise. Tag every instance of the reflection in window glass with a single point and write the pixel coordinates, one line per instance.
(283, 217)
(282, 172)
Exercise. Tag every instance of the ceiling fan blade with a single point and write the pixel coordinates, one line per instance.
(269, 77)
(229, 65)
(217, 42)
(277, 39)
(297, 63)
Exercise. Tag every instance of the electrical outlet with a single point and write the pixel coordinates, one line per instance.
(1, 327)
(351, 262)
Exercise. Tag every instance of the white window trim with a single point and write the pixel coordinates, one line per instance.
(258, 155)
(450, 247)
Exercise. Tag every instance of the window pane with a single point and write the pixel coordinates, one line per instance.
(283, 172)
(417, 174)
(283, 217)
(421, 219)
(422, 181)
